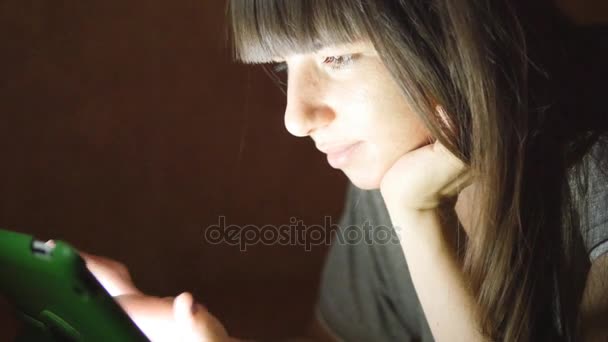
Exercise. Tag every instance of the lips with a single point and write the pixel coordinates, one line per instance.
(338, 156)
(335, 148)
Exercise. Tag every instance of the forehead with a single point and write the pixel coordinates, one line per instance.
(263, 29)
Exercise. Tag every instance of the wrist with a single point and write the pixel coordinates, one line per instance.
(415, 224)
(431, 229)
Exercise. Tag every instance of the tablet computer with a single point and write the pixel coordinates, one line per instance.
(56, 296)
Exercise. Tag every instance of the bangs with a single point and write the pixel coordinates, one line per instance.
(266, 29)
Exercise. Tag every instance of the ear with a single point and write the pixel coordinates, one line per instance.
(445, 119)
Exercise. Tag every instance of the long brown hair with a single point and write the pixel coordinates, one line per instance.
(524, 261)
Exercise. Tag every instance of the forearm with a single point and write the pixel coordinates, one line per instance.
(448, 305)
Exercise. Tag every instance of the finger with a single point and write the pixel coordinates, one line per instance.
(104, 262)
(458, 184)
(148, 306)
(448, 156)
(113, 275)
(458, 175)
(153, 315)
(93, 258)
(184, 311)
(194, 322)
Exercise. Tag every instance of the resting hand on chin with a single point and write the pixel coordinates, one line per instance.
(423, 179)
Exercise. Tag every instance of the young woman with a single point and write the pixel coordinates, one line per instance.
(423, 99)
(459, 126)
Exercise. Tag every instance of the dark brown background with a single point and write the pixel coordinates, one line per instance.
(126, 130)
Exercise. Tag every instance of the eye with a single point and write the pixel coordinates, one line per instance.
(338, 62)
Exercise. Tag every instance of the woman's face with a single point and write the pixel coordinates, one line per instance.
(344, 98)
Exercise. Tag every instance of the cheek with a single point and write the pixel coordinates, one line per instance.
(401, 134)
(395, 128)
(389, 134)
(365, 113)
(374, 111)
(377, 156)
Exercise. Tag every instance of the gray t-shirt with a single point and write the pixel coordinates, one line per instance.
(366, 291)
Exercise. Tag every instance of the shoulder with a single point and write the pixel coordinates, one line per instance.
(589, 189)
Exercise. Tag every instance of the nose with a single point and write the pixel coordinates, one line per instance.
(306, 109)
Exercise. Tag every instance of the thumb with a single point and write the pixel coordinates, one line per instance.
(194, 322)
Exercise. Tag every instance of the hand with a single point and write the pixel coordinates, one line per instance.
(423, 179)
(173, 319)
(160, 319)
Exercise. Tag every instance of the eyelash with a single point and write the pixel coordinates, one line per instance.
(344, 61)
(333, 62)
